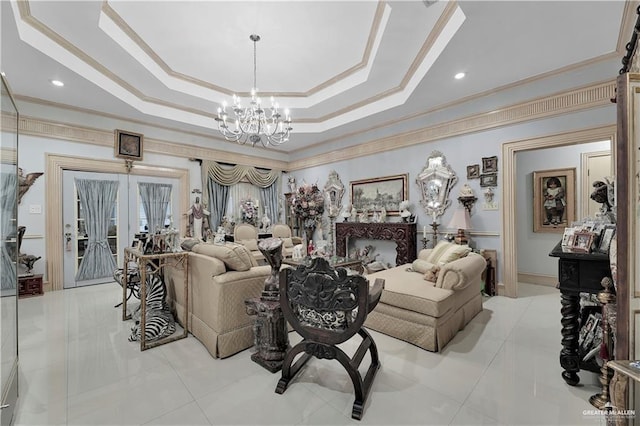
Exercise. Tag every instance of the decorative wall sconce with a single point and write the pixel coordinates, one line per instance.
(466, 197)
(468, 202)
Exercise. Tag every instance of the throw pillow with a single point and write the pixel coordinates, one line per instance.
(432, 274)
(421, 266)
(236, 257)
(250, 244)
(188, 243)
(445, 252)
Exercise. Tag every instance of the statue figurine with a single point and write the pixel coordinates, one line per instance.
(354, 214)
(466, 191)
(198, 219)
(266, 223)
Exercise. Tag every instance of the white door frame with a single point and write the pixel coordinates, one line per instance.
(54, 233)
(509, 285)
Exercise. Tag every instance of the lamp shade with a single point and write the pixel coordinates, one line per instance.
(460, 221)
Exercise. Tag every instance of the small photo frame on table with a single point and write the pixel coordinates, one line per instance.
(582, 241)
(473, 171)
(128, 145)
(490, 164)
(606, 237)
(568, 237)
(489, 180)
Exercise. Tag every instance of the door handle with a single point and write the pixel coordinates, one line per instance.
(67, 237)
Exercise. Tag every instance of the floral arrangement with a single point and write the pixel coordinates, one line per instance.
(249, 211)
(308, 204)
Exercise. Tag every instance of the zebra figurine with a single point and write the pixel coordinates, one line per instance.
(159, 319)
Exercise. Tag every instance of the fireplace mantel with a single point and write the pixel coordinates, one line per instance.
(404, 235)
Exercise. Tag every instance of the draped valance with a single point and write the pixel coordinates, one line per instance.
(230, 175)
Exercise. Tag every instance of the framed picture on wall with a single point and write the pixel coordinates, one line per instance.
(473, 171)
(128, 145)
(554, 200)
(490, 179)
(376, 193)
(490, 164)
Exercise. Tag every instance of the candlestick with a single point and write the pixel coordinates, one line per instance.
(434, 217)
(424, 230)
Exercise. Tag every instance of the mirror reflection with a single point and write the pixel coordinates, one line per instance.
(435, 181)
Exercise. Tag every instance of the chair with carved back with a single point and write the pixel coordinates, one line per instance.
(327, 307)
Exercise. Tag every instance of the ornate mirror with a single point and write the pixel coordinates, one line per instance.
(435, 181)
(334, 190)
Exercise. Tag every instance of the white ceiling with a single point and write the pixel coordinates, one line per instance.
(336, 64)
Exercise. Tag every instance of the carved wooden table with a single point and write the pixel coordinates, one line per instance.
(404, 235)
(577, 273)
(30, 285)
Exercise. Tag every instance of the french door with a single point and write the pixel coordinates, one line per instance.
(126, 219)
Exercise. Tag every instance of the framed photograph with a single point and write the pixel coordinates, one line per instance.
(554, 200)
(128, 145)
(373, 194)
(473, 171)
(490, 164)
(582, 241)
(567, 237)
(605, 238)
(490, 179)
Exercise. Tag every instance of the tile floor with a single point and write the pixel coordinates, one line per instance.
(77, 368)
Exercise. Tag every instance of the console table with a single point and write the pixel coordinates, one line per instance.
(404, 235)
(146, 264)
(577, 273)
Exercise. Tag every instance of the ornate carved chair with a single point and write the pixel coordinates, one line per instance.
(327, 307)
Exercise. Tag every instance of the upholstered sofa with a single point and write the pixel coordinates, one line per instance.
(247, 235)
(426, 313)
(221, 278)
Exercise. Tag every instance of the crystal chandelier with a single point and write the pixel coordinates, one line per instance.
(254, 123)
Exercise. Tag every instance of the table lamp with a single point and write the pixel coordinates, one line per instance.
(460, 221)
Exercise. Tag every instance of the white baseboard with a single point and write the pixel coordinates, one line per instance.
(546, 280)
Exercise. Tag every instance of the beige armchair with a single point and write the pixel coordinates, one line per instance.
(280, 230)
(247, 235)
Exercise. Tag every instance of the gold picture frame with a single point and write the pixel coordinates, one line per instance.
(128, 145)
(387, 192)
(582, 241)
(554, 200)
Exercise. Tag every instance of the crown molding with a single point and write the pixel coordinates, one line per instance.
(42, 128)
(582, 98)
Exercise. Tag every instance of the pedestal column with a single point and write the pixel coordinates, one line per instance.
(271, 338)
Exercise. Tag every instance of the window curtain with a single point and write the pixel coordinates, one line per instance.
(269, 198)
(9, 228)
(232, 175)
(155, 201)
(97, 200)
(218, 198)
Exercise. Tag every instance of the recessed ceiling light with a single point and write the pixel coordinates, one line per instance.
(459, 75)
(57, 83)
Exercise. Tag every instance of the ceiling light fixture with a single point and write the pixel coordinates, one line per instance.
(57, 83)
(254, 123)
(459, 75)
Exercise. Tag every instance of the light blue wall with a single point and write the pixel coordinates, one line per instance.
(460, 151)
(534, 247)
